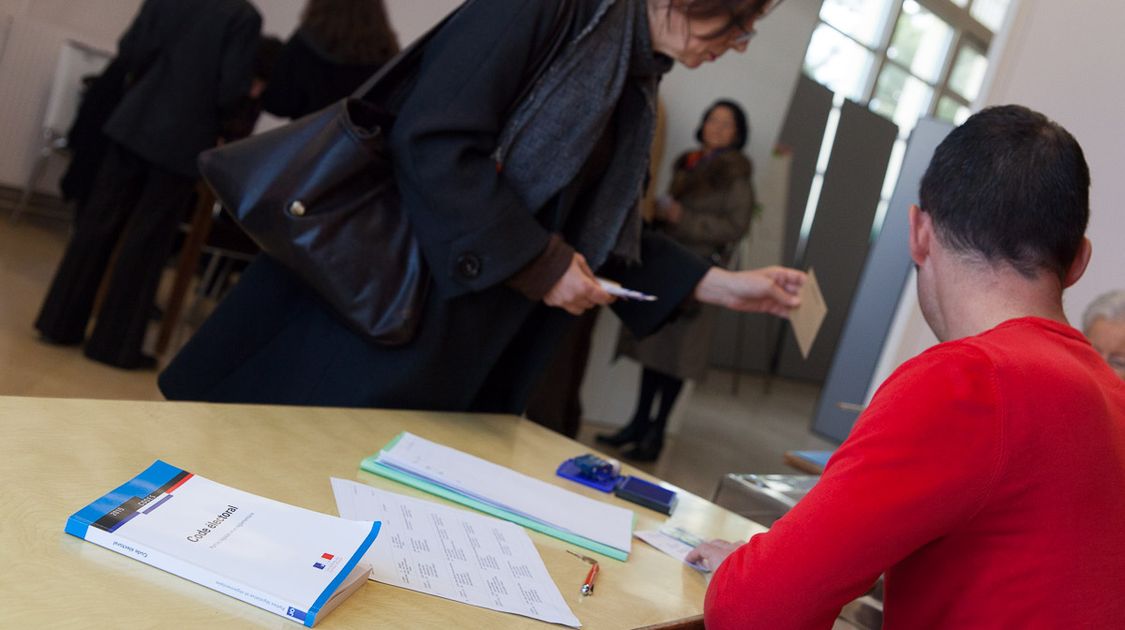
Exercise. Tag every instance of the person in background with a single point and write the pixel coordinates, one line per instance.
(707, 210)
(244, 116)
(338, 45)
(515, 200)
(1104, 325)
(189, 64)
(985, 478)
(85, 140)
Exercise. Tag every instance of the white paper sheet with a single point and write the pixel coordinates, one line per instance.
(455, 554)
(504, 487)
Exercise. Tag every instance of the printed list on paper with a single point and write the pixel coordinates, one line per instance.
(455, 554)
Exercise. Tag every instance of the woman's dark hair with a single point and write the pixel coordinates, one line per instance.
(742, 125)
(351, 31)
(1011, 186)
(737, 12)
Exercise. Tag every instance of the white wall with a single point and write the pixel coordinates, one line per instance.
(34, 33)
(1062, 59)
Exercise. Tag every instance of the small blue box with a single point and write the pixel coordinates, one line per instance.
(647, 494)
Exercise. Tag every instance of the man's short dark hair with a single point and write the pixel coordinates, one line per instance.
(1013, 186)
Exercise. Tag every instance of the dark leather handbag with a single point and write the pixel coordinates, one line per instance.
(319, 196)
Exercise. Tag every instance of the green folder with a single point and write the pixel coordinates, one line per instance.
(371, 465)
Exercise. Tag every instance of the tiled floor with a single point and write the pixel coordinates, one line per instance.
(720, 432)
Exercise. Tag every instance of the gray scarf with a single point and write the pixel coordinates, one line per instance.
(610, 65)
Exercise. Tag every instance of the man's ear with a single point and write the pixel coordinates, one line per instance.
(1078, 265)
(921, 234)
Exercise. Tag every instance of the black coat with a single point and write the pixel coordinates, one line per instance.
(85, 139)
(306, 80)
(193, 61)
(481, 345)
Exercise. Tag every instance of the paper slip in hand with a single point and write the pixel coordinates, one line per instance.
(675, 542)
(807, 318)
(617, 290)
(456, 554)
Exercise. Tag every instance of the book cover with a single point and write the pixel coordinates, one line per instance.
(288, 560)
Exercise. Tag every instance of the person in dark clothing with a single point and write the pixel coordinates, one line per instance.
(513, 204)
(242, 119)
(338, 45)
(192, 62)
(707, 210)
(85, 140)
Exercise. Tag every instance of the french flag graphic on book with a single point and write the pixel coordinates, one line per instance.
(234, 542)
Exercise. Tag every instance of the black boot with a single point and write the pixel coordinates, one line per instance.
(631, 433)
(636, 429)
(648, 448)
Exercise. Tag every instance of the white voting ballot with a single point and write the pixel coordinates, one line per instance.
(807, 318)
(454, 553)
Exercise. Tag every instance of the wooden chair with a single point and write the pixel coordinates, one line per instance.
(199, 240)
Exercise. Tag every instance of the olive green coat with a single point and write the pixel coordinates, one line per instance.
(718, 202)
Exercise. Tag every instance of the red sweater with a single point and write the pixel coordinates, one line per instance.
(986, 479)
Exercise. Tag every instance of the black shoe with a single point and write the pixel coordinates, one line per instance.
(646, 450)
(59, 341)
(630, 433)
(141, 362)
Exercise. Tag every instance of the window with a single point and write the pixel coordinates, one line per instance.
(905, 59)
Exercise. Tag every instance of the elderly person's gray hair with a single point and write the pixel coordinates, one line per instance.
(1110, 305)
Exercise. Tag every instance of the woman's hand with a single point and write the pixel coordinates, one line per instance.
(767, 290)
(668, 209)
(711, 554)
(577, 290)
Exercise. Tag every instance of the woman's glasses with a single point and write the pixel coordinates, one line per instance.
(742, 35)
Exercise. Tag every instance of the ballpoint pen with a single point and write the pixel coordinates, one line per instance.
(588, 585)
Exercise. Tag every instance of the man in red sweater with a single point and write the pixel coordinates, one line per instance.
(987, 477)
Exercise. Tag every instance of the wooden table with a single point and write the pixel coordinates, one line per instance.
(58, 455)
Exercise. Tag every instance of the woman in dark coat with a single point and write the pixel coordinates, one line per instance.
(513, 204)
(338, 45)
(707, 210)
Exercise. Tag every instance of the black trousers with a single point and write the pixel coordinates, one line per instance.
(556, 402)
(654, 384)
(134, 203)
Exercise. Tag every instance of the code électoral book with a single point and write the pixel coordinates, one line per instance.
(288, 560)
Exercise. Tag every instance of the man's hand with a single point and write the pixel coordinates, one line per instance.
(767, 290)
(711, 554)
(577, 290)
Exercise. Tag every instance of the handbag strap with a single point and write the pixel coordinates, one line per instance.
(397, 72)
